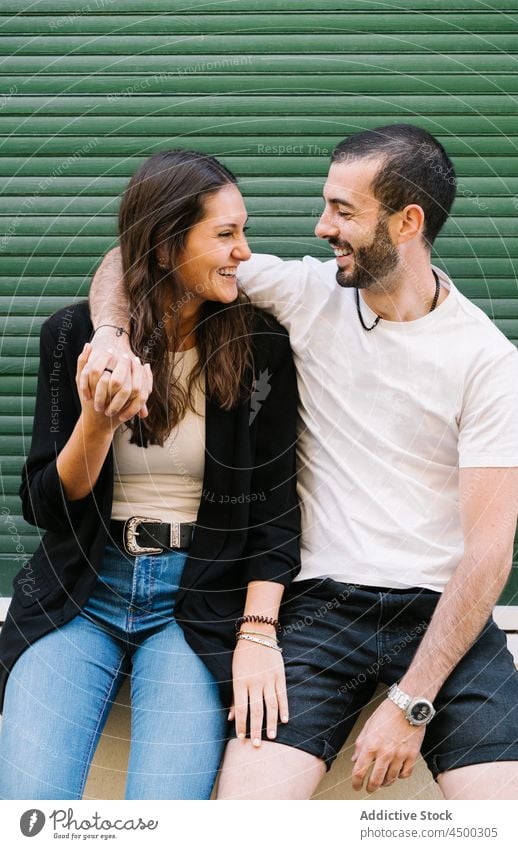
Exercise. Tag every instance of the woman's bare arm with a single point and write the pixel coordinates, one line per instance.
(259, 680)
(81, 459)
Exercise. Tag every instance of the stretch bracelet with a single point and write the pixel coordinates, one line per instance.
(259, 642)
(120, 330)
(254, 617)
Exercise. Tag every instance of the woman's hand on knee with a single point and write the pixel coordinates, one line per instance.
(259, 685)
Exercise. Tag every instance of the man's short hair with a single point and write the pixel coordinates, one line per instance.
(415, 169)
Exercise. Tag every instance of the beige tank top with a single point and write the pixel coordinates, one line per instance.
(163, 482)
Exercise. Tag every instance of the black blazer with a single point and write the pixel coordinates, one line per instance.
(248, 522)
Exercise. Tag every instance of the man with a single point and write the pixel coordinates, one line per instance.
(407, 451)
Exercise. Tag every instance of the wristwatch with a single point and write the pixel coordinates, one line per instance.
(418, 711)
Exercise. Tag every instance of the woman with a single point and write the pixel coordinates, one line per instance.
(162, 532)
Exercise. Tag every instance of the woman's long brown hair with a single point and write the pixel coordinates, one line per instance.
(164, 199)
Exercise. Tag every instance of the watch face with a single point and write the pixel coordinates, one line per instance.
(421, 712)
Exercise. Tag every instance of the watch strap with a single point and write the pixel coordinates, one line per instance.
(401, 699)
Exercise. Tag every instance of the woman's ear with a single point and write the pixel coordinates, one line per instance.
(162, 259)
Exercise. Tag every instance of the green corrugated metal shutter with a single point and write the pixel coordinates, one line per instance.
(90, 89)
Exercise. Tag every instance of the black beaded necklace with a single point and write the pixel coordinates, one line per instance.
(378, 318)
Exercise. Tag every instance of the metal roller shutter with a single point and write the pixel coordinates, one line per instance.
(90, 89)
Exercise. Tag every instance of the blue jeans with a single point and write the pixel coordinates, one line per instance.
(61, 689)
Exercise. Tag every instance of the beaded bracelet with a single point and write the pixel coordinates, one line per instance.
(253, 617)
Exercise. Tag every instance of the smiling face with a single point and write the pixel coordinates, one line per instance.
(214, 247)
(357, 227)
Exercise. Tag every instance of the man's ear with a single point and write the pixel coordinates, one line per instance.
(409, 223)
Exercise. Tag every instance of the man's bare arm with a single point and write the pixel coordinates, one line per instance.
(107, 298)
(270, 282)
(488, 507)
(113, 375)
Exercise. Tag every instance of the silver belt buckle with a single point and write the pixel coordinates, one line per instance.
(174, 536)
(130, 534)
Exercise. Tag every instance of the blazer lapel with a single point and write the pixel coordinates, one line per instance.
(214, 515)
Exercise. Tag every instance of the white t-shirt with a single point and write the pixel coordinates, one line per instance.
(386, 419)
(163, 481)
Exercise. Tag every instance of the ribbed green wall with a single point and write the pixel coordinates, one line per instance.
(91, 88)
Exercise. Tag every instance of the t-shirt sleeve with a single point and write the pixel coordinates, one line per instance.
(275, 285)
(488, 427)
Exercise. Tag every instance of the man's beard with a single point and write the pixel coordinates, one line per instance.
(372, 263)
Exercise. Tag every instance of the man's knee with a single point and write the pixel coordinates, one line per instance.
(497, 780)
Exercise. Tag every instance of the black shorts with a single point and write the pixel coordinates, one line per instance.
(341, 640)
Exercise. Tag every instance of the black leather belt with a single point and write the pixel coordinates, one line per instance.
(140, 535)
